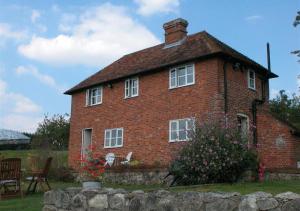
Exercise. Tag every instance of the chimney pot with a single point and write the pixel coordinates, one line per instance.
(175, 30)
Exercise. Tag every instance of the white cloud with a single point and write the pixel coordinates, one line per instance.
(43, 78)
(35, 14)
(6, 32)
(102, 35)
(253, 18)
(17, 112)
(23, 123)
(147, 7)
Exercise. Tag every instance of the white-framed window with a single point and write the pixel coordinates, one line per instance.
(131, 87)
(94, 96)
(243, 124)
(251, 79)
(182, 76)
(113, 138)
(180, 129)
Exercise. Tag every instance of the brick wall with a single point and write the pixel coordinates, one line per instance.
(145, 118)
(276, 145)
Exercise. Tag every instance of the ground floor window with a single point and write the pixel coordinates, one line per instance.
(180, 129)
(113, 138)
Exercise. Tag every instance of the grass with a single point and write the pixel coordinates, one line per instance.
(33, 202)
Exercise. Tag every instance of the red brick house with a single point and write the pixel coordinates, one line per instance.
(145, 102)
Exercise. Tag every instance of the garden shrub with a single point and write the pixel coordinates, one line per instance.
(214, 154)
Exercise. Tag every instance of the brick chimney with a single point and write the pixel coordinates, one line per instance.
(175, 30)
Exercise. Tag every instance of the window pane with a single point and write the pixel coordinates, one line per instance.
(173, 126)
(173, 135)
(114, 133)
(182, 124)
(182, 135)
(181, 80)
(119, 141)
(189, 70)
(107, 142)
(119, 133)
(191, 124)
(113, 142)
(134, 91)
(190, 79)
(251, 73)
(173, 82)
(181, 72)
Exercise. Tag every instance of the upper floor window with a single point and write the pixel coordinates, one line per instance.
(131, 87)
(182, 76)
(94, 96)
(251, 79)
(179, 130)
(113, 138)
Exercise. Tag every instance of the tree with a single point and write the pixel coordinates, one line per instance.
(286, 108)
(296, 23)
(53, 131)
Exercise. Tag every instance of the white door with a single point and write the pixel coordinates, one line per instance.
(86, 141)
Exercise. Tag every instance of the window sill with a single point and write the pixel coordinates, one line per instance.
(125, 98)
(170, 88)
(93, 105)
(252, 89)
(179, 141)
(112, 147)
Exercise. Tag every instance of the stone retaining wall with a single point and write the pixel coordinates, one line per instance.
(118, 200)
(137, 177)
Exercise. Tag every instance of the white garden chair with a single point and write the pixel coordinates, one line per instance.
(127, 159)
(110, 158)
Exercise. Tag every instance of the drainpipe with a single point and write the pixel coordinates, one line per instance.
(225, 90)
(255, 103)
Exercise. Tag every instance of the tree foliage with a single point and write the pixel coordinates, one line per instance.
(286, 108)
(296, 23)
(53, 132)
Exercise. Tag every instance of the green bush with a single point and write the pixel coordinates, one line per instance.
(214, 154)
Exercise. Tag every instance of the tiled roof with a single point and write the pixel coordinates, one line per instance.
(199, 45)
(11, 135)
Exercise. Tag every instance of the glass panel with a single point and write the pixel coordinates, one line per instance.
(189, 70)
(173, 126)
(119, 133)
(134, 91)
(182, 135)
(113, 142)
(173, 78)
(107, 142)
(182, 124)
(251, 75)
(119, 141)
(190, 79)
(181, 72)
(113, 133)
(173, 135)
(190, 124)
(181, 81)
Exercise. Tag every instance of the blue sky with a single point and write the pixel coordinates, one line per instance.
(47, 47)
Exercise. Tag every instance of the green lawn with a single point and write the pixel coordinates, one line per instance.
(34, 202)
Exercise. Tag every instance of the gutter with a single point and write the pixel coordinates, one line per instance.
(255, 103)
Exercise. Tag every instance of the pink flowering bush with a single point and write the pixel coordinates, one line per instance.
(214, 154)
